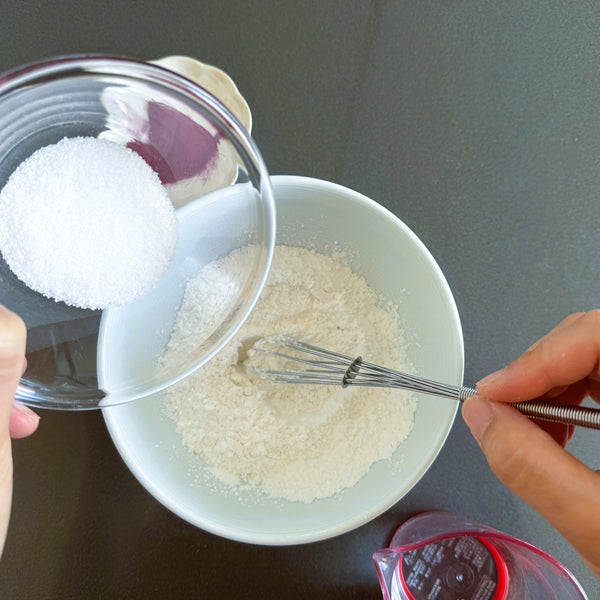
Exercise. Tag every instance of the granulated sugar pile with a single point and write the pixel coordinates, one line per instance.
(87, 222)
(293, 441)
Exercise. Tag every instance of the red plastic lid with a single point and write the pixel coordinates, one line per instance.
(466, 567)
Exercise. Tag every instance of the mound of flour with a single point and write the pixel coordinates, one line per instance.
(292, 441)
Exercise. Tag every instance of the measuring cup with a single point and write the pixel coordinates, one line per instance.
(444, 556)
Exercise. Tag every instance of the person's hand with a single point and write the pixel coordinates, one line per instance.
(16, 420)
(529, 458)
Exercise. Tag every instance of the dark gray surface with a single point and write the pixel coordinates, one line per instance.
(477, 123)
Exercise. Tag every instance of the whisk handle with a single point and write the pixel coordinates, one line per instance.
(555, 412)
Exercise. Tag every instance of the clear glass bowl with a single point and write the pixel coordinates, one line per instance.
(80, 358)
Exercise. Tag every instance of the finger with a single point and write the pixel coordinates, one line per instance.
(568, 354)
(594, 388)
(23, 421)
(561, 434)
(529, 462)
(12, 354)
(573, 394)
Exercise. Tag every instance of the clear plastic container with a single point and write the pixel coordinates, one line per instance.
(79, 358)
(444, 556)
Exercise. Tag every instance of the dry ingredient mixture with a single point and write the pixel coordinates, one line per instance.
(294, 442)
(87, 222)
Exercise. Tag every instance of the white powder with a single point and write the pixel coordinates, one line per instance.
(87, 222)
(208, 297)
(293, 441)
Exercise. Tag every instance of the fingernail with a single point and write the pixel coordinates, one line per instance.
(477, 413)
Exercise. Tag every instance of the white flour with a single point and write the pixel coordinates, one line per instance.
(292, 441)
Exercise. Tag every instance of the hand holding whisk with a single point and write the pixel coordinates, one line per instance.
(285, 360)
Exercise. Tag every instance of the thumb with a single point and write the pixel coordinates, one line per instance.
(536, 468)
(12, 353)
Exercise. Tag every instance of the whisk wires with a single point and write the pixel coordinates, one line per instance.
(325, 367)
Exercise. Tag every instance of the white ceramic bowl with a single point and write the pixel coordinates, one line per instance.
(397, 265)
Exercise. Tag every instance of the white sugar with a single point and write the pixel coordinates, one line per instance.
(87, 222)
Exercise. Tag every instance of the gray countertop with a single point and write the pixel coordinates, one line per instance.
(476, 122)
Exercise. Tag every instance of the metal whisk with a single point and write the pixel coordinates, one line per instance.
(323, 367)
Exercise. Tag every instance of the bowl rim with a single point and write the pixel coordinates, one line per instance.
(386, 501)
